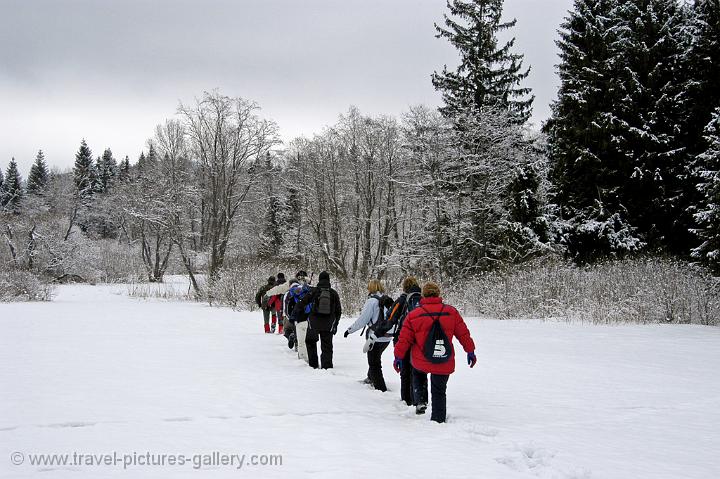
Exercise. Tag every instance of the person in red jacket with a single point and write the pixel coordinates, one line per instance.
(414, 335)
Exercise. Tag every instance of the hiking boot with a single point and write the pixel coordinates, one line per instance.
(366, 381)
(280, 329)
(420, 408)
(291, 340)
(272, 328)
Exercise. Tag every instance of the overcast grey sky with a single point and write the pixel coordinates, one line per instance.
(108, 71)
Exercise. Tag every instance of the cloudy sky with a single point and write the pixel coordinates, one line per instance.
(108, 71)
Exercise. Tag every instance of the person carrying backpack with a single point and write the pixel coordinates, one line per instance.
(297, 318)
(323, 308)
(372, 317)
(427, 333)
(276, 293)
(288, 305)
(262, 300)
(406, 302)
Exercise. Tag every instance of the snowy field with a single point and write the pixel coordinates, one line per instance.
(96, 372)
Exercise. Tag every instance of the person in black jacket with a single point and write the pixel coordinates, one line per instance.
(262, 302)
(323, 317)
(405, 303)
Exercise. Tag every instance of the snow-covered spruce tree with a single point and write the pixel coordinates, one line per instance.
(701, 93)
(271, 237)
(84, 172)
(141, 162)
(527, 229)
(152, 157)
(583, 161)
(647, 112)
(708, 212)
(38, 178)
(701, 66)
(12, 191)
(106, 171)
(490, 146)
(488, 74)
(124, 170)
(578, 130)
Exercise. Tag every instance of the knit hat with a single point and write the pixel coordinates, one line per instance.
(430, 290)
(324, 276)
(271, 280)
(281, 276)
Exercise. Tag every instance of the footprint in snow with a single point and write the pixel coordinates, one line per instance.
(530, 458)
(70, 424)
(481, 433)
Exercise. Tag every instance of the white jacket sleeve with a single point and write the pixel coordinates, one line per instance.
(368, 314)
(279, 289)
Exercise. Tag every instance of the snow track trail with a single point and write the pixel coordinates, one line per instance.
(97, 372)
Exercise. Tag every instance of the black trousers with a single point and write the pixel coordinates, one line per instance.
(326, 346)
(406, 381)
(375, 366)
(438, 388)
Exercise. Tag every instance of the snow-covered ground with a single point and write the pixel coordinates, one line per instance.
(97, 372)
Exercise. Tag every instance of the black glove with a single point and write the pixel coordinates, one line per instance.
(346, 333)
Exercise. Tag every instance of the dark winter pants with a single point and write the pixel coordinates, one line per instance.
(326, 345)
(406, 381)
(375, 366)
(438, 387)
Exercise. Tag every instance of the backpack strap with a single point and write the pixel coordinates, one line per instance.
(434, 315)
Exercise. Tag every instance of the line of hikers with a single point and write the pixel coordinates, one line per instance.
(418, 323)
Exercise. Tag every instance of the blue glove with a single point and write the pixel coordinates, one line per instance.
(471, 359)
(397, 364)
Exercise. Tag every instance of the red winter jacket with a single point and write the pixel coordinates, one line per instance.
(417, 327)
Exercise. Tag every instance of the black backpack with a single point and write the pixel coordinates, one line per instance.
(324, 303)
(381, 324)
(438, 348)
(412, 301)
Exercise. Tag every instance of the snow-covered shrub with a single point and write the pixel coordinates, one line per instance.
(116, 262)
(237, 282)
(23, 286)
(236, 285)
(173, 287)
(639, 291)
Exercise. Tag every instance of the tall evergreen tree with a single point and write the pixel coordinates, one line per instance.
(489, 75)
(141, 162)
(2, 181)
(124, 170)
(106, 170)
(701, 93)
(38, 178)
(701, 66)
(84, 171)
(708, 214)
(648, 53)
(12, 188)
(584, 163)
(578, 130)
(152, 158)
